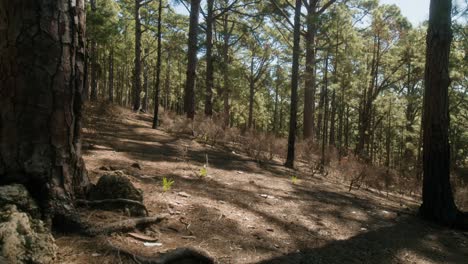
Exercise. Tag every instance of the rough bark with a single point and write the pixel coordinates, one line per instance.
(144, 106)
(226, 80)
(332, 141)
(438, 204)
(294, 84)
(309, 89)
(42, 68)
(158, 71)
(167, 84)
(111, 75)
(137, 68)
(209, 60)
(189, 95)
(94, 64)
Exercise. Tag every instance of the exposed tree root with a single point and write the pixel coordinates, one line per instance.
(123, 226)
(176, 256)
(118, 201)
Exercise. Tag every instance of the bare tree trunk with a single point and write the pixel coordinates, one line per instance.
(158, 71)
(111, 75)
(438, 204)
(309, 90)
(251, 92)
(145, 81)
(294, 84)
(332, 120)
(41, 103)
(189, 95)
(226, 89)
(137, 69)
(94, 65)
(325, 113)
(167, 84)
(275, 112)
(209, 60)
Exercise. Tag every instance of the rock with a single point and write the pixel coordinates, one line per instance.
(24, 239)
(18, 195)
(184, 194)
(113, 187)
(104, 168)
(136, 166)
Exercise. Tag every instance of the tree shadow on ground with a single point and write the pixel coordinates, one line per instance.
(305, 218)
(403, 242)
(143, 145)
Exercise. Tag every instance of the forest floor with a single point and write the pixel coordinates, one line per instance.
(243, 211)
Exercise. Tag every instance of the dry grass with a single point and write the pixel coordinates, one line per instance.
(263, 146)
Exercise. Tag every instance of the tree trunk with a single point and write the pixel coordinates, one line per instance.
(189, 95)
(251, 92)
(111, 75)
(209, 60)
(86, 75)
(226, 89)
(94, 55)
(294, 84)
(137, 69)
(144, 107)
(158, 71)
(167, 84)
(41, 101)
(325, 113)
(438, 204)
(275, 112)
(309, 89)
(332, 119)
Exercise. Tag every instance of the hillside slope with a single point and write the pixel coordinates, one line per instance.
(245, 212)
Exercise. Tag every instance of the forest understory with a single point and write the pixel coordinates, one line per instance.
(239, 210)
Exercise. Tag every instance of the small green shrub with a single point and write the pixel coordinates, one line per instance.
(203, 171)
(294, 179)
(167, 184)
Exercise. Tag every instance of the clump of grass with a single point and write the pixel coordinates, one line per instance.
(294, 179)
(167, 184)
(203, 171)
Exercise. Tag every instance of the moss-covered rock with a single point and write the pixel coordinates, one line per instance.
(23, 236)
(18, 194)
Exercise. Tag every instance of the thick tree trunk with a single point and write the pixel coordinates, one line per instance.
(294, 84)
(438, 204)
(189, 95)
(40, 114)
(158, 71)
(209, 60)
(309, 89)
